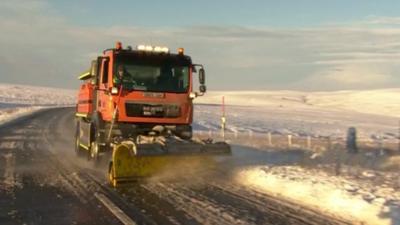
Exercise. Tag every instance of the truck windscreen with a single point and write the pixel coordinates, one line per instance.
(151, 76)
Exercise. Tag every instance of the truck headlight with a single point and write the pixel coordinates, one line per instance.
(114, 90)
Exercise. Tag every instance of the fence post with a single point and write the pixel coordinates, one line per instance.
(338, 163)
(250, 133)
(329, 143)
(223, 119)
(351, 141)
(269, 139)
(209, 133)
(380, 144)
(308, 142)
(289, 140)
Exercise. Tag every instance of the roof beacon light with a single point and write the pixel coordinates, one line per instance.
(141, 47)
(161, 49)
(118, 45)
(181, 51)
(149, 48)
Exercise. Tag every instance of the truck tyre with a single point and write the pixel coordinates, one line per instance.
(184, 131)
(78, 149)
(96, 125)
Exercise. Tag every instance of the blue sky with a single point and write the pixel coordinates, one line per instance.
(286, 13)
(245, 45)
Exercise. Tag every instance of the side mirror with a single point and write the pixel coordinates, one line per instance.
(202, 76)
(93, 68)
(202, 88)
(194, 70)
(93, 72)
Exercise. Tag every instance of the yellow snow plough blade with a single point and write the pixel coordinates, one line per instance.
(131, 162)
(127, 167)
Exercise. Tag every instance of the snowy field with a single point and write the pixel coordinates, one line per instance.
(360, 191)
(374, 113)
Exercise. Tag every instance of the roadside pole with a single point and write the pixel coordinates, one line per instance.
(223, 119)
(289, 139)
(269, 139)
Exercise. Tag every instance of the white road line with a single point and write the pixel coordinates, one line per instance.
(125, 219)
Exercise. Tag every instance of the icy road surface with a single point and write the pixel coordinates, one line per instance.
(42, 182)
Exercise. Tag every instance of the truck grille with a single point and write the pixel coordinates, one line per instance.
(152, 110)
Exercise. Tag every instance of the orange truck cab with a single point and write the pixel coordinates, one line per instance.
(130, 92)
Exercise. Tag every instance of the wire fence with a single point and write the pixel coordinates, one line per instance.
(291, 141)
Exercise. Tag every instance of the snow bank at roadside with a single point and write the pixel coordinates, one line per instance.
(355, 200)
(13, 113)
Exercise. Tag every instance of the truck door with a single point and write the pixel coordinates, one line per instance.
(103, 92)
(95, 82)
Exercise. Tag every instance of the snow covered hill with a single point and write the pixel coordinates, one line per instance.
(373, 112)
(19, 100)
(382, 101)
(33, 95)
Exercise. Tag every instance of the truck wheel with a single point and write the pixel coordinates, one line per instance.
(78, 148)
(94, 153)
(184, 132)
(96, 125)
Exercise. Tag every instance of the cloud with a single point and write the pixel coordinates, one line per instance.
(38, 46)
(382, 20)
(351, 76)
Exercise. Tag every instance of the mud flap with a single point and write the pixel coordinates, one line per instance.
(84, 135)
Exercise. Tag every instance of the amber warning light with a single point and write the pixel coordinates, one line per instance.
(181, 51)
(118, 45)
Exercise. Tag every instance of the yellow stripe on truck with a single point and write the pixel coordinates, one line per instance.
(84, 146)
(84, 75)
(81, 115)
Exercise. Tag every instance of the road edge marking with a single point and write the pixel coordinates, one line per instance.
(125, 219)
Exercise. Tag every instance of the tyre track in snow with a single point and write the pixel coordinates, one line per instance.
(44, 195)
(147, 207)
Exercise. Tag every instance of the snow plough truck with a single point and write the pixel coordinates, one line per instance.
(135, 110)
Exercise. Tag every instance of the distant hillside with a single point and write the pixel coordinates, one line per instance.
(380, 102)
(33, 95)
